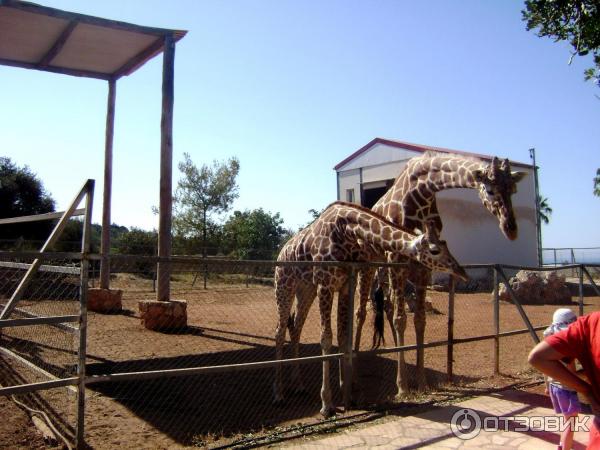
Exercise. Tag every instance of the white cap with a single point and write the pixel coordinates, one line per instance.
(562, 318)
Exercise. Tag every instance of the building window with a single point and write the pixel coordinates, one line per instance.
(350, 195)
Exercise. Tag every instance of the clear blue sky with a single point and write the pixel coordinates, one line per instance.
(293, 87)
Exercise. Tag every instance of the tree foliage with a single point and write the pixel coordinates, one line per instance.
(254, 234)
(202, 193)
(22, 194)
(545, 211)
(597, 183)
(137, 242)
(575, 21)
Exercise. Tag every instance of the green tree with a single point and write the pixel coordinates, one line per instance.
(202, 193)
(597, 183)
(254, 234)
(545, 210)
(137, 242)
(314, 215)
(575, 21)
(22, 193)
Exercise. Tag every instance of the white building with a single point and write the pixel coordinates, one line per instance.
(472, 232)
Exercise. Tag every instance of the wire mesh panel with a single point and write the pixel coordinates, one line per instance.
(42, 352)
(198, 370)
(230, 322)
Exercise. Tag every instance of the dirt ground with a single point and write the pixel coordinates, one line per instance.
(233, 324)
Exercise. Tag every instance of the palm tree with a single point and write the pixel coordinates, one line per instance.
(544, 210)
(597, 183)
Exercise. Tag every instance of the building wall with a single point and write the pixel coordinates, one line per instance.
(349, 180)
(472, 232)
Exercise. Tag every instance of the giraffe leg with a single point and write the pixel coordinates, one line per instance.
(284, 293)
(342, 329)
(388, 308)
(397, 281)
(305, 295)
(325, 302)
(365, 279)
(420, 320)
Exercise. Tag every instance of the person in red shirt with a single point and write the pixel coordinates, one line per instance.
(581, 340)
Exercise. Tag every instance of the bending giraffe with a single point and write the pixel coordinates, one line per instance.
(411, 203)
(343, 232)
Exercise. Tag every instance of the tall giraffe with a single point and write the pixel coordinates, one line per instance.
(343, 232)
(411, 203)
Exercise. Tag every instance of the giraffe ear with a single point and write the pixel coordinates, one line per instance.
(518, 176)
(479, 175)
(417, 243)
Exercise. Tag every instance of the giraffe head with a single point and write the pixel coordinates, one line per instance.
(496, 186)
(433, 252)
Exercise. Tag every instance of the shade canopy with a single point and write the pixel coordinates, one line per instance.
(37, 37)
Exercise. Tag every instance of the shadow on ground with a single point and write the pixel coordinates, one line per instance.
(192, 409)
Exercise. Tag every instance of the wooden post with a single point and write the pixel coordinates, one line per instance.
(163, 290)
(107, 195)
(496, 324)
(450, 350)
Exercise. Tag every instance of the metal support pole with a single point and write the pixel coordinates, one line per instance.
(591, 280)
(538, 222)
(349, 350)
(581, 290)
(517, 303)
(83, 291)
(496, 324)
(450, 349)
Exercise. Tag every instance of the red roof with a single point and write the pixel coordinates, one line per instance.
(417, 148)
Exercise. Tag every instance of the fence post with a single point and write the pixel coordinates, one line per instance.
(82, 351)
(581, 290)
(450, 349)
(349, 350)
(496, 324)
(591, 281)
(517, 303)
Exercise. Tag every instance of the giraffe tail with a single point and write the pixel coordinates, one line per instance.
(378, 321)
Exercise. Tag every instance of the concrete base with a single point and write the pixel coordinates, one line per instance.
(163, 316)
(105, 300)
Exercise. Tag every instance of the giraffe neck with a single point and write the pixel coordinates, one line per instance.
(411, 199)
(377, 234)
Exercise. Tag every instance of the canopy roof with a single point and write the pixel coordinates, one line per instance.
(37, 37)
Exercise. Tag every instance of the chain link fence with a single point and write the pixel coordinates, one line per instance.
(33, 352)
(206, 378)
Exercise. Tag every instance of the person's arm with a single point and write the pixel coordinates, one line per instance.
(547, 360)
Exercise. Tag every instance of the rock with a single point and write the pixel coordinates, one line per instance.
(105, 300)
(535, 288)
(163, 316)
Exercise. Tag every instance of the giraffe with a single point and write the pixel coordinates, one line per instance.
(343, 232)
(411, 203)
